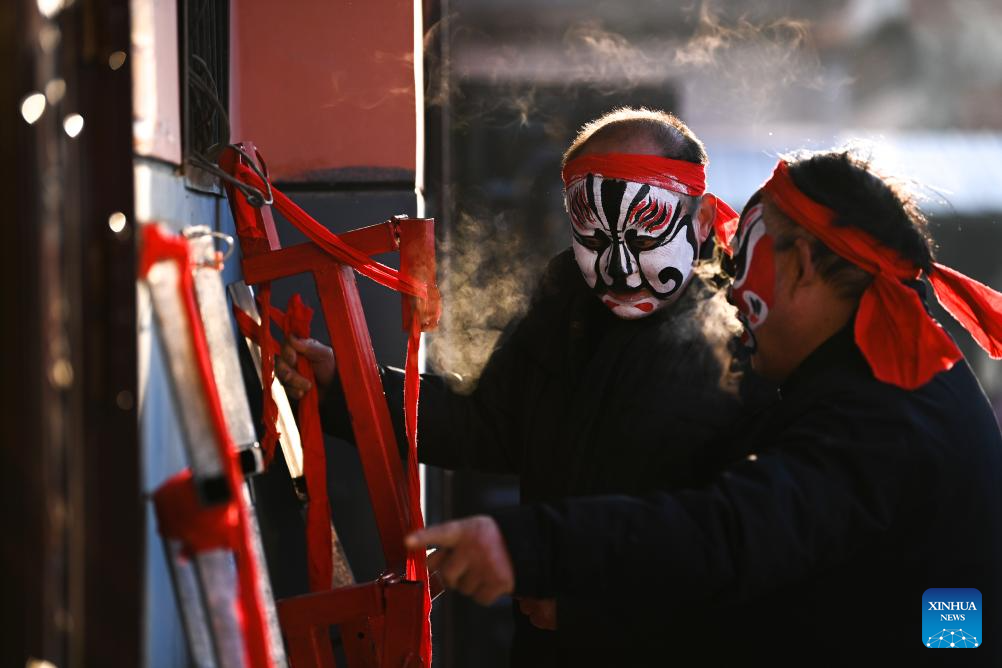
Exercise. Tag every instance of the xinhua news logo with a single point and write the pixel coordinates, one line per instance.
(951, 618)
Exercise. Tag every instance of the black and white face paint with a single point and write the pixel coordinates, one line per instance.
(635, 243)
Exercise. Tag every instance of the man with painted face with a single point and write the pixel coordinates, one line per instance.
(618, 378)
(874, 479)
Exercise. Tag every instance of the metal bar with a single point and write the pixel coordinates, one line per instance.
(328, 608)
(194, 616)
(374, 436)
(275, 647)
(372, 240)
(200, 439)
(212, 306)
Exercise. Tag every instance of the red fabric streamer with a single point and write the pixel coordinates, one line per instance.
(332, 244)
(157, 247)
(329, 242)
(269, 409)
(902, 343)
(417, 563)
(679, 176)
(296, 322)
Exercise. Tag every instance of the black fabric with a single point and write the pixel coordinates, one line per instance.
(576, 401)
(816, 552)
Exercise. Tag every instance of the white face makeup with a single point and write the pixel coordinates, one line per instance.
(633, 242)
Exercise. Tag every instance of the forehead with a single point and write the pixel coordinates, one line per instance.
(621, 140)
(760, 207)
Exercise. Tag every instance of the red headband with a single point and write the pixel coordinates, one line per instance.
(902, 343)
(679, 176)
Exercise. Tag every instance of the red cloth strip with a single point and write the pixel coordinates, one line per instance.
(157, 247)
(417, 565)
(679, 176)
(902, 343)
(296, 321)
(333, 245)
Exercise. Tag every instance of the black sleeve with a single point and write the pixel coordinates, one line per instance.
(476, 431)
(831, 486)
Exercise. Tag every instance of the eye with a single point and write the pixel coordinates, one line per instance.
(596, 242)
(640, 244)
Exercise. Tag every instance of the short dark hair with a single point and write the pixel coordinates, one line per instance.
(664, 128)
(861, 197)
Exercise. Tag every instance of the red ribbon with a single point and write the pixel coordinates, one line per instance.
(158, 247)
(416, 567)
(296, 322)
(902, 343)
(269, 349)
(417, 564)
(679, 176)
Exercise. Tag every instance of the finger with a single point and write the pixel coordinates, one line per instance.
(311, 349)
(297, 383)
(543, 621)
(441, 535)
(288, 354)
(436, 559)
(453, 569)
(469, 582)
(487, 594)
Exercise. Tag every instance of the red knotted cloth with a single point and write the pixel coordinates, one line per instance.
(296, 322)
(679, 176)
(206, 528)
(416, 566)
(902, 343)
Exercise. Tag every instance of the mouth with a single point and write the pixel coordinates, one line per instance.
(630, 297)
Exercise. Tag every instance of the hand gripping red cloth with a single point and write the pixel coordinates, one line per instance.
(902, 343)
(679, 176)
(217, 529)
(416, 567)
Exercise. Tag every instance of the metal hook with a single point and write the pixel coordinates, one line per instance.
(203, 231)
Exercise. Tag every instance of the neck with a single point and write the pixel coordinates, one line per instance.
(825, 318)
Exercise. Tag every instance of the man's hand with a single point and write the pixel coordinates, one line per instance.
(472, 557)
(321, 358)
(542, 612)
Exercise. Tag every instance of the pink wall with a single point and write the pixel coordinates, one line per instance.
(325, 85)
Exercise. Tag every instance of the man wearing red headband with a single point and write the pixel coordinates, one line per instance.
(619, 377)
(874, 479)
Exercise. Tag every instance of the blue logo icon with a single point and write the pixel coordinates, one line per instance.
(951, 618)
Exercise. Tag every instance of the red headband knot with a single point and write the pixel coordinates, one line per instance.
(679, 176)
(902, 343)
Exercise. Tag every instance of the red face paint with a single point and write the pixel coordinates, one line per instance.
(755, 271)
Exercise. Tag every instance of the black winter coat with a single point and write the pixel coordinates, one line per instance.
(815, 551)
(576, 401)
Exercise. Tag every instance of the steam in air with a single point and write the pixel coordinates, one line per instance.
(724, 67)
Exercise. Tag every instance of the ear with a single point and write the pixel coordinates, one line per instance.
(706, 214)
(804, 271)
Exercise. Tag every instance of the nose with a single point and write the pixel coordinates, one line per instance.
(620, 263)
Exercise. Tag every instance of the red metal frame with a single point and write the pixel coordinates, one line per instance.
(380, 621)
